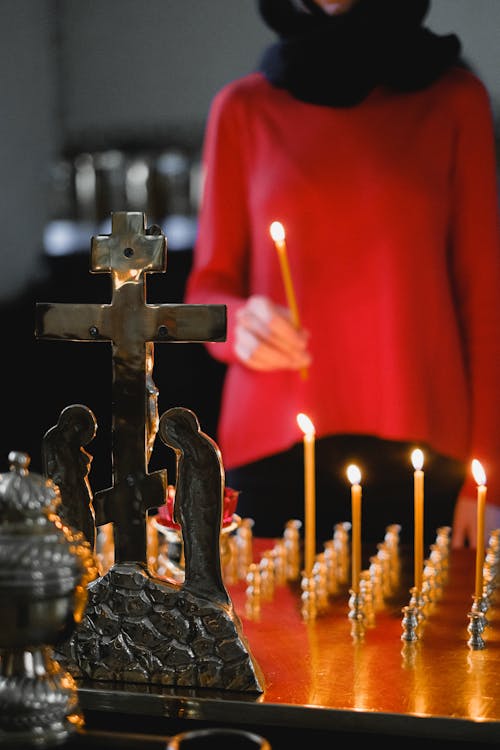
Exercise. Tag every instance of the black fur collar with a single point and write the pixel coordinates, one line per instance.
(338, 60)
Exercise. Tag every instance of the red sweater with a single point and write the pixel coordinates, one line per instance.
(391, 216)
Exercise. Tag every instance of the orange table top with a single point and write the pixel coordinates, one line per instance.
(318, 674)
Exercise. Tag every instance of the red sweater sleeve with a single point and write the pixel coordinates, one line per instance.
(475, 244)
(220, 257)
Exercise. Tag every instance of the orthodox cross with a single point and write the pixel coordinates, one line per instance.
(133, 327)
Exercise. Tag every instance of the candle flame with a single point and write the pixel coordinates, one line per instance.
(417, 459)
(353, 474)
(478, 472)
(277, 231)
(305, 424)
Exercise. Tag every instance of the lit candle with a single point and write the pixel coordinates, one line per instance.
(277, 232)
(417, 459)
(354, 476)
(480, 479)
(307, 428)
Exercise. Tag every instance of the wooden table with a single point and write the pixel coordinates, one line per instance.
(321, 681)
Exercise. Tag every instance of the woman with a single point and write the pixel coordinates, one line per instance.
(365, 136)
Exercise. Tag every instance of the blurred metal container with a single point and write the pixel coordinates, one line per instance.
(110, 182)
(84, 176)
(171, 184)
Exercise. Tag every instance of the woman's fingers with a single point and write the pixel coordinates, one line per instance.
(266, 339)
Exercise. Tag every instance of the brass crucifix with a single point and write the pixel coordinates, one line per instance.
(133, 327)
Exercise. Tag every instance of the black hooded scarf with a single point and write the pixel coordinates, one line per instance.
(338, 60)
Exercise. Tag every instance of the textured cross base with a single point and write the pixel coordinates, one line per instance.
(139, 629)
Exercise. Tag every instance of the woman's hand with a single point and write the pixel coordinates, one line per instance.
(266, 339)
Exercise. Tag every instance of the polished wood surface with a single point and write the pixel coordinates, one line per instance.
(319, 675)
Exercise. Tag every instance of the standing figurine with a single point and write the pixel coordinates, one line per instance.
(67, 463)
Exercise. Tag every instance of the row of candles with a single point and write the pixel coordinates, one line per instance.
(354, 477)
(277, 233)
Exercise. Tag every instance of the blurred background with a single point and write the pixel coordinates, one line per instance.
(104, 108)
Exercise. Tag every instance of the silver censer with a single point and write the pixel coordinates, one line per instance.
(44, 570)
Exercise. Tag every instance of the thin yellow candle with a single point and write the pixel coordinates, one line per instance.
(277, 232)
(354, 476)
(480, 479)
(309, 439)
(417, 459)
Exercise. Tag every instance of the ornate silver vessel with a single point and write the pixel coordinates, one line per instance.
(44, 570)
